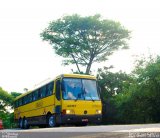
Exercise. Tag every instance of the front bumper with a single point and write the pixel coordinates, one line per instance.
(72, 119)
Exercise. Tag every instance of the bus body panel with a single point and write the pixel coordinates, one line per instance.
(82, 112)
(36, 108)
(80, 106)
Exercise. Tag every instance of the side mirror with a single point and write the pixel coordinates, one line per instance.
(99, 89)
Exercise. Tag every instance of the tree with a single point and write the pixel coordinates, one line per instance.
(5, 100)
(149, 88)
(85, 40)
(140, 102)
(15, 94)
(113, 83)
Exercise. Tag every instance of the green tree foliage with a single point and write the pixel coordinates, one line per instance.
(15, 94)
(148, 89)
(85, 40)
(8, 119)
(112, 84)
(6, 100)
(139, 100)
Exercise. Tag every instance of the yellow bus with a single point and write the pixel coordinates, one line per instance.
(68, 99)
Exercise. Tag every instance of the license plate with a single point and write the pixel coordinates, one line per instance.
(84, 120)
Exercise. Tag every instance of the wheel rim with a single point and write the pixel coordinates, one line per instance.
(51, 121)
(21, 123)
(25, 123)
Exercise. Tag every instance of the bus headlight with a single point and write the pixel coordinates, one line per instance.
(69, 111)
(98, 111)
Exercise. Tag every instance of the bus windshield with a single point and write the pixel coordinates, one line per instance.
(79, 89)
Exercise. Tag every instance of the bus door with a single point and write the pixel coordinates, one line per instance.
(58, 101)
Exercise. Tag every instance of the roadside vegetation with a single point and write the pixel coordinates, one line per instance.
(6, 108)
(131, 98)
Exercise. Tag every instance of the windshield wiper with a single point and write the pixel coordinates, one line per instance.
(88, 94)
(91, 97)
(83, 93)
(79, 95)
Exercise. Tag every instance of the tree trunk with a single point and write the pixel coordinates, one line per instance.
(76, 63)
(90, 63)
(88, 67)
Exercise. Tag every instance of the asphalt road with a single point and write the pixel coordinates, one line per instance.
(121, 131)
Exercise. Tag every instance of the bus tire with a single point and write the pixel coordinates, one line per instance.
(81, 124)
(51, 121)
(42, 126)
(26, 126)
(18, 124)
(21, 123)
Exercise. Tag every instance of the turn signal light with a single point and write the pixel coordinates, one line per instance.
(67, 111)
(98, 111)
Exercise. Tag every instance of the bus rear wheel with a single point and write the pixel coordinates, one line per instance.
(26, 126)
(20, 123)
(82, 124)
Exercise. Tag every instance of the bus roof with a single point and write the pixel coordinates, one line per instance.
(60, 76)
(77, 76)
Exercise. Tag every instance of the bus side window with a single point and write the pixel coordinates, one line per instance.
(17, 103)
(30, 97)
(26, 99)
(50, 87)
(42, 92)
(58, 89)
(14, 105)
(20, 102)
(35, 95)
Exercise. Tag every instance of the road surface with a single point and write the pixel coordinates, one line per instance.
(102, 131)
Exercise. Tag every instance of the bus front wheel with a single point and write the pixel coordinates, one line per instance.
(51, 121)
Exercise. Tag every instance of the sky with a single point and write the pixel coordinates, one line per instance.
(26, 60)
